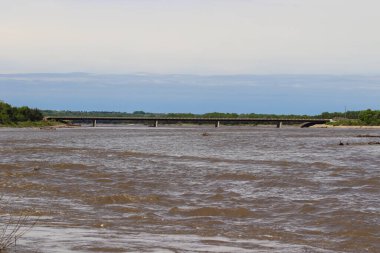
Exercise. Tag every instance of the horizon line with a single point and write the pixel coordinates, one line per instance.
(182, 74)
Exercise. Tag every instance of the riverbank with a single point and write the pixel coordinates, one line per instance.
(37, 124)
(345, 127)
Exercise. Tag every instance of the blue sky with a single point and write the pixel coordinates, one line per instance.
(282, 94)
(287, 48)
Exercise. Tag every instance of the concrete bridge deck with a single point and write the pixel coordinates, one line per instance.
(217, 121)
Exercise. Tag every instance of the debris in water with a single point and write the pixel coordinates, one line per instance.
(48, 128)
(368, 136)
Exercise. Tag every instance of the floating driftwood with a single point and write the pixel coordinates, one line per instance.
(368, 136)
(359, 144)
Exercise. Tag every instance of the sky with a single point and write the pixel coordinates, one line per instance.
(279, 94)
(192, 37)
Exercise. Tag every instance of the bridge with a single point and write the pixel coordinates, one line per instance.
(154, 121)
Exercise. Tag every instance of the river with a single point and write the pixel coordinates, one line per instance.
(192, 189)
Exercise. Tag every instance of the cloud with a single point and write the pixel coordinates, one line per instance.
(197, 37)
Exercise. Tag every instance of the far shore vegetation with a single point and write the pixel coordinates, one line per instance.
(24, 116)
(21, 117)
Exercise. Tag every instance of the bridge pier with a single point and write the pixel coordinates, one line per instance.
(279, 124)
(155, 124)
(217, 124)
(94, 123)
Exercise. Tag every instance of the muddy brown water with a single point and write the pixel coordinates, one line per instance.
(175, 189)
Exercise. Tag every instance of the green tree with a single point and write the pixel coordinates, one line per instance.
(10, 114)
(370, 117)
(5, 113)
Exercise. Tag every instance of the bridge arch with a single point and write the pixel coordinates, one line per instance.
(309, 124)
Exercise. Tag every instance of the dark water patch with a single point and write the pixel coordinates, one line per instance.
(321, 165)
(99, 249)
(29, 186)
(16, 213)
(70, 166)
(216, 197)
(239, 212)
(43, 149)
(233, 176)
(126, 199)
(9, 166)
(124, 209)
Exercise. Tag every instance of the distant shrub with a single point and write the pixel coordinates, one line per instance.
(9, 114)
(370, 117)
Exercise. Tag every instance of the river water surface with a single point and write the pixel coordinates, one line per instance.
(176, 189)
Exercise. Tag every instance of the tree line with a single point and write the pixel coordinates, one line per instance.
(10, 114)
(365, 117)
